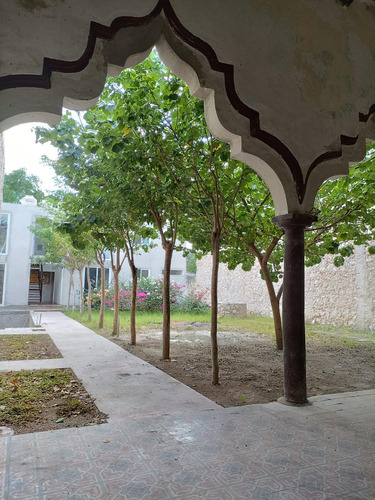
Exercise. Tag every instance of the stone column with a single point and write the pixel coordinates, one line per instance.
(2, 169)
(293, 307)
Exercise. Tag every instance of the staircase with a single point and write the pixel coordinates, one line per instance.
(36, 285)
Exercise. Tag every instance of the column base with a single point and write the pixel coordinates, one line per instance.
(285, 402)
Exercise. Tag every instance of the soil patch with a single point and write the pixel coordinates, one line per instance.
(40, 400)
(250, 365)
(28, 346)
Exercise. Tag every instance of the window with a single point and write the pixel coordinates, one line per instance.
(175, 272)
(142, 242)
(4, 230)
(38, 246)
(143, 273)
(96, 277)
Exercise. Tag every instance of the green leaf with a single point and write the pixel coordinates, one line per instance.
(339, 261)
(119, 146)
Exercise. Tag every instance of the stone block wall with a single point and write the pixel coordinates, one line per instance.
(236, 310)
(334, 295)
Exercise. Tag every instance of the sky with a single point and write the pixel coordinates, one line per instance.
(21, 151)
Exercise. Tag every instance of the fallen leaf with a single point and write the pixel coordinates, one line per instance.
(15, 384)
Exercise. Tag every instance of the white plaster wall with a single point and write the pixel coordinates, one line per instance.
(154, 260)
(17, 260)
(334, 295)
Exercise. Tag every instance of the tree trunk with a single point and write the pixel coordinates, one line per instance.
(71, 284)
(168, 249)
(275, 304)
(89, 294)
(102, 295)
(116, 319)
(274, 299)
(81, 300)
(133, 334)
(215, 242)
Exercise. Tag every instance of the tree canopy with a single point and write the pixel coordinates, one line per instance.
(144, 156)
(18, 184)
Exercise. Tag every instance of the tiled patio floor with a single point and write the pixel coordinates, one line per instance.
(323, 451)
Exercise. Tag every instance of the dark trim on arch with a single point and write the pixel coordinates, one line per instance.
(364, 118)
(99, 31)
(254, 117)
(331, 155)
(237, 103)
(57, 65)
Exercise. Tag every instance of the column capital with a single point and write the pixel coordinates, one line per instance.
(294, 220)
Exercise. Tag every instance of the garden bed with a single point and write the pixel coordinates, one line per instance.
(40, 400)
(251, 367)
(29, 346)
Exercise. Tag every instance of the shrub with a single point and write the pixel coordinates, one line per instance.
(153, 288)
(150, 296)
(95, 298)
(196, 300)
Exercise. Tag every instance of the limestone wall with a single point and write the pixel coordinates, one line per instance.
(334, 295)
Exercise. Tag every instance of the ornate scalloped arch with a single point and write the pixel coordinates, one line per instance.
(126, 42)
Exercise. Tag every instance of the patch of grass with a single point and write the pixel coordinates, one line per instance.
(71, 407)
(13, 347)
(29, 398)
(143, 319)
(329, 335)
(24, 391)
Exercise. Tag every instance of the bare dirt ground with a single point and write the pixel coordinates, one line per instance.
(250, 365)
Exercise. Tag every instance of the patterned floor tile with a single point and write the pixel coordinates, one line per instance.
(67, 478)
(319, 454)
(165, 458)
(136, 487)
(23, 484)
(267, 488)
(313, 483)
(85, 492)
(191, 480)
(249, 453)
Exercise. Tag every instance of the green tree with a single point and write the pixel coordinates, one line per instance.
(214, 194)
(256, 238)
(346, 218)
(96, 204)
(346, 213)
(135, 129)
(18, 184)
(191, 263)
(60, 250)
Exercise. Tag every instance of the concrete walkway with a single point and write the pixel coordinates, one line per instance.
(165, 441)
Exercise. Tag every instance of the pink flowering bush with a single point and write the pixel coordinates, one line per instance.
(150, 297)
(195, 300)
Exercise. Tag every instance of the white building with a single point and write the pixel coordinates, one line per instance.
(23, 283)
